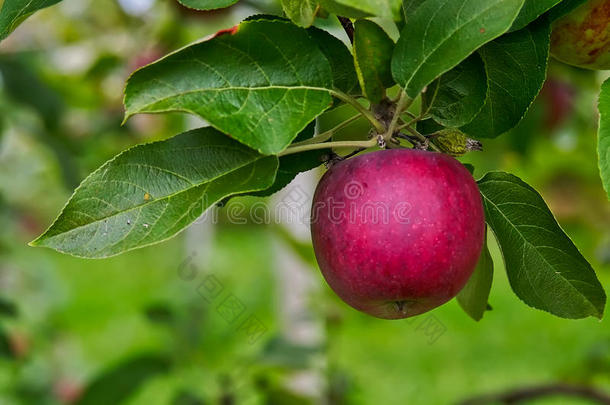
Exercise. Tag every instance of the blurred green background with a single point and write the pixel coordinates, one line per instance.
(233, 311)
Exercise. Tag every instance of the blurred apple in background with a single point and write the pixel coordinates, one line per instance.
(582, 37)
(559, 97)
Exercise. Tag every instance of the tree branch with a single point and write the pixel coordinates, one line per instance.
(523, 394)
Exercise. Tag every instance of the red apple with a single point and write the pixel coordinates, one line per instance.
(582, 37)
(397, 232)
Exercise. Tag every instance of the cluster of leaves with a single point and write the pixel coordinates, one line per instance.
(477, 67)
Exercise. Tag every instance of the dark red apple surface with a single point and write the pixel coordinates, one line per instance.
(397, 232)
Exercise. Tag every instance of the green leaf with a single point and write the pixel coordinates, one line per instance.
(262, 84)
(428, 127)
(564, 8)
(118, 383)
(456, 97)
(531, 10)
(340, 59)
(207, 4)
(603, 146)
(338, 55)
(149, 193)
(544, 267)
(475, 294)
(409, 7)
(301, 12)
(516, 69)
(14, 12)
(372, 58)
(443, 33)
(334, 7)
(363, 8)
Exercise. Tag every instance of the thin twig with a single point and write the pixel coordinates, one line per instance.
(327, 145)
(415, 120)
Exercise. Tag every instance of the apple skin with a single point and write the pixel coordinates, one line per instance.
(582, 37)
(421, 247)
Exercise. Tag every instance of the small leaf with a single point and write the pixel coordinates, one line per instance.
(453, 142)
(516, 69)
(456, 97)
(603, 146)
(301, 12)
(149, 193)
(363, 8)
(14, 12)
(372, 58)
(531, 10)
(473, 297)
(544, 267)
(340, 59)
(207, 4)
(118, 383)
(443, 33)
(262, 84)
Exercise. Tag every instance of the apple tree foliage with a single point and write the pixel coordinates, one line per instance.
(476, 65)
